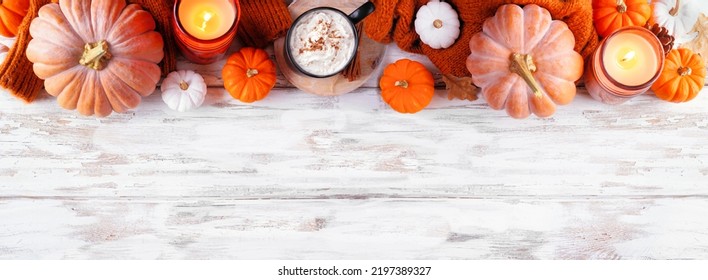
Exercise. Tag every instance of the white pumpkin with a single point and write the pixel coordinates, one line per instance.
(437, 24)
(183, 90)
(678, 16)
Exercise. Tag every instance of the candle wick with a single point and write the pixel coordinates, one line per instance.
(207, 18)
(628, 56)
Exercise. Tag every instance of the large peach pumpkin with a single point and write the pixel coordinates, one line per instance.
(524, 61)
(96, 56)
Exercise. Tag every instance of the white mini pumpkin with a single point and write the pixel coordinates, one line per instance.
(183, 90)
(437, 24)
(678, 16)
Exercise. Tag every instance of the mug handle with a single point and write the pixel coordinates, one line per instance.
(362, 12)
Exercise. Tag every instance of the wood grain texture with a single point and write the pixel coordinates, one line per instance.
(224, 228)
(301, 176)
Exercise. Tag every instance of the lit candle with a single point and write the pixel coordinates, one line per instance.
(630, 59)
(206, 19)
(205, 29)
(626, 64)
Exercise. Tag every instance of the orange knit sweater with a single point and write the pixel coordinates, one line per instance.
(263, 21)
(393, 21)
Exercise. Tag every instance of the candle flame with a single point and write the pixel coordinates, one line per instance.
(629, 56)
(207, 17)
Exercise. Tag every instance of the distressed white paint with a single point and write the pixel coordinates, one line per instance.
(302, 176)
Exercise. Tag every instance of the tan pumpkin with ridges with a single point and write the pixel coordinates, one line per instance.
(524, 61)
(96, 56)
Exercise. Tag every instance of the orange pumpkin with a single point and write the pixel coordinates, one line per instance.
(96, 56)
(11, 14)
(682, 78)
(249, 74)
(610, 15)
(407, 86)
(524, 61)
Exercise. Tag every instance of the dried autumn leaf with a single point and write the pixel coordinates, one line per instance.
(460, 88)
(700, 44)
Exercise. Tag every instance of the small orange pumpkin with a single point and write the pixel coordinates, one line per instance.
(11, 14)
(682, 78)
(249, 75)
(610, 15)
(407, 86)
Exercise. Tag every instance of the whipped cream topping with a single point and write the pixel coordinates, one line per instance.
(322, 42)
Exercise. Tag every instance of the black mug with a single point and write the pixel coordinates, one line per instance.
(352, 19)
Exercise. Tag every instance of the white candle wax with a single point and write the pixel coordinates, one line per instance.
(630, 59)
(207, 19)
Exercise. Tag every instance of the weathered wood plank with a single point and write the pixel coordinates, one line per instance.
(300, 145)
(217, 228)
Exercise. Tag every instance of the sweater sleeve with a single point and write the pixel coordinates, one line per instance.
(263, 21)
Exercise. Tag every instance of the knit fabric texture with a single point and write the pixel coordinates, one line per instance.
(393, 20)
(17, 76)
(263, 21)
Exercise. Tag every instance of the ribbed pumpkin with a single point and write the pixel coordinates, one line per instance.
(11, 14)
(96, 56)
(407, 86)
(183, 90)
(437, 24)
(524, 61)
(678, 16)
(249, 74)
(682, 78)
(610, 15)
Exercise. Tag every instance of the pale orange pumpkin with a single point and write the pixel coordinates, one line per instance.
(407, 86)
(249, 75)
(96, 56)
(11, 14)
(610, 15)
(524, 61)
(682, 78)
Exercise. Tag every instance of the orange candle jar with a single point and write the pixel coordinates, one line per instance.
(626, 65)
(205, 29)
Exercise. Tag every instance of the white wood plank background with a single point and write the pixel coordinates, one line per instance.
(298, 176)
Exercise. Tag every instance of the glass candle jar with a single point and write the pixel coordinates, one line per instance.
(625, 65)
(205, 29)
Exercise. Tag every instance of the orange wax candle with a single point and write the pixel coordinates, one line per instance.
(206, 19)
(205, 29)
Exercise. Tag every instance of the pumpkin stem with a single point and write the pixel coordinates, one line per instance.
(96, 55)
(684, 71)
(401, 83)
(183, 85)
(251, 72)
(621, 6)
(522, 65)
(675, 9)
(438, 23)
